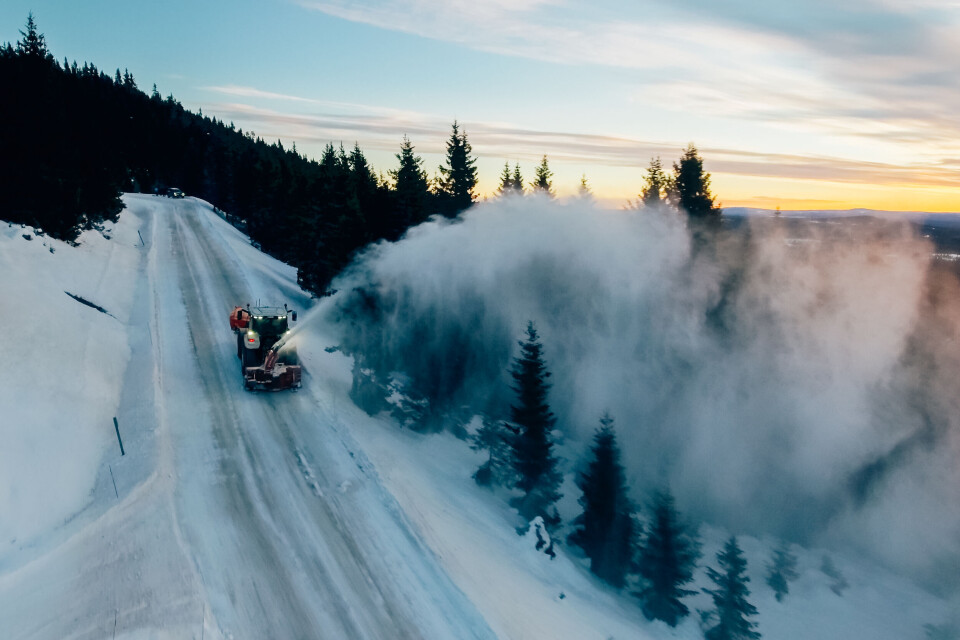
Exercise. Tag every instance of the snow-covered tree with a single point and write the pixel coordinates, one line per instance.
(493, 436)
(731, 608)
(781, 571)
(667, 560)
(532, 422)
(606, 530)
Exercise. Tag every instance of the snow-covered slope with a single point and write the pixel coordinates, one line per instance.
(63, 360)
(293, 515)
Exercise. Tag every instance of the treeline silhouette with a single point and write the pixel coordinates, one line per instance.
(74, 138)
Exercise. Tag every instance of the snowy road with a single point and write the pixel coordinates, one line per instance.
(237, 515)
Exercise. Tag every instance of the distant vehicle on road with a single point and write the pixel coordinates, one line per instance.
(171, 192)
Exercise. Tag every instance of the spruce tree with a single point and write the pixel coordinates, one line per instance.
(517, 179)
(362, 179)
(541, 180)
(606, 530)
(781, 571)
(731, 609)
(494, 438)
(33, 44)
(130, 83)
(532, 421)
(506, 181)
(458, 178)
(691, 186)
(583, 190)
(411, 187)
(666, 562)
(654, 184)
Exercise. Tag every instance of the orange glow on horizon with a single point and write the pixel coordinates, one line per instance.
(797, 194)
(615, 186)
(768, 193)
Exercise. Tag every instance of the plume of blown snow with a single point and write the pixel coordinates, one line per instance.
(784, 378)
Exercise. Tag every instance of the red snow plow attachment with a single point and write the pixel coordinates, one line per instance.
(272, 375)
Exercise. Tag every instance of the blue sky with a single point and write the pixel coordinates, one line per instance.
(814, 104)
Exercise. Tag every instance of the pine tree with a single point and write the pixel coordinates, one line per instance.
(583, 190)
(666, 563)
(781, 571)
(606, 530)
(494, 438)
(367, 191)
(731, 608)
(411, 186)
(517, 179)
(363, 180)
(541, 181)
(506, 181)
(33, 44)
(458, 178)
(130, 83)
(531, 421)
(690, 187)
(654, 184)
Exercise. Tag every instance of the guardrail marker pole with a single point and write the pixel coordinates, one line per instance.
(114, 482)
(117, 427)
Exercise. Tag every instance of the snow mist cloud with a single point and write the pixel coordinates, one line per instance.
(785, 378)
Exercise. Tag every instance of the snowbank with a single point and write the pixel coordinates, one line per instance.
(63, 363)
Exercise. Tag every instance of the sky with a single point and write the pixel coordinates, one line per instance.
(812, 105)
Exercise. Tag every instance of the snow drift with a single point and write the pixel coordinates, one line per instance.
(784, 378)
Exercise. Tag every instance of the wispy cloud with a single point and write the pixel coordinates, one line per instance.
(251, 92)
(827, 66)
(383, 130)
(254, 93)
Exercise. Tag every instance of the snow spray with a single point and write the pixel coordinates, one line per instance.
(782, 378)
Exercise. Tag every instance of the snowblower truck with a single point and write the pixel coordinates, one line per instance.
(267, 361)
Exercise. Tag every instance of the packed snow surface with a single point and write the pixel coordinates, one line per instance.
(286, 515)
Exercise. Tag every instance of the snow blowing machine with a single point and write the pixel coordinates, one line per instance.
(267, 360)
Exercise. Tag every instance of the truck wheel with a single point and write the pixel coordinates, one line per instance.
(249, 358)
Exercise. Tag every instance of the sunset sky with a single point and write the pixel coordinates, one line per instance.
(809, 104)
